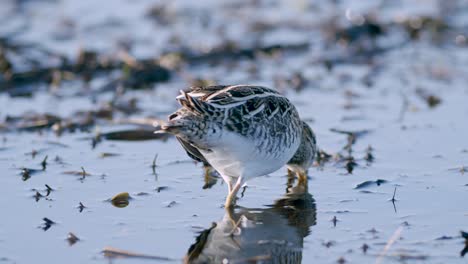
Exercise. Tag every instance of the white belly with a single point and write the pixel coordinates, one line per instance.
(237, 156)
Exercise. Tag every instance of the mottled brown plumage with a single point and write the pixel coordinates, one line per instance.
(242, 131)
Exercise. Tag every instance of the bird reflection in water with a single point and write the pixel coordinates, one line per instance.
(271, 235)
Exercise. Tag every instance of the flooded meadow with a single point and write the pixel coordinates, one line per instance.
(383, 84)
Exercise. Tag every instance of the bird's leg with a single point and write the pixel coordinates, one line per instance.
(302, 178)
(231, 198)
(291, 178)
(229, 183)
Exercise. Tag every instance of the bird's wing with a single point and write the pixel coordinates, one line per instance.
(237, 106)
(245, 107)
(193, 152)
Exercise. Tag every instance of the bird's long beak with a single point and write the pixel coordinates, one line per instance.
(168, 127)
(158, 125)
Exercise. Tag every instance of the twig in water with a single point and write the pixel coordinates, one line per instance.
(369, 157)
(111, 253)
(37, 196)
(83, 173)
(389, 244)
(153, 166)
(72, 239)
(49, 189)
(334, 220)
(393, 200)
(465, 249)
(44, 163)
(81, 207)
(47, 223)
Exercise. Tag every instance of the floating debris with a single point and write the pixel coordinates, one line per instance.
(121, 200)
(153, 165)
(161, 188)
(334, 221)
(341, 260)
(81, 207)
(59, 160)
(32, 122)
(81, 173)
(44, 163)
(445, 237)
(372, 231)
(47, 223)
(57, 144)
(107, 155)
(350, 165)
(171, 204)
(465, 249)
(461, 169)
(328, 244)
(431, 99)
(26, 173)
(322, 157)
(135, 135)
(354, 134)
(404, 257)
(48, 189)
(112, 253)
(367, 184)
(364, 248)
(37, 196)
(33, 153)
(369, 157)
(72, 239)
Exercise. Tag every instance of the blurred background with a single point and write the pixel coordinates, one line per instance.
(382, 83)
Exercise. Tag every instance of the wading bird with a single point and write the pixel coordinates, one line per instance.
(243, 132)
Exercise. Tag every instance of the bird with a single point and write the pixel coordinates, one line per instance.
(242, 131)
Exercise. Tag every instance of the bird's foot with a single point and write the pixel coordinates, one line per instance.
(302, 179)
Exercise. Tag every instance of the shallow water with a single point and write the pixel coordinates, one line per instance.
(421, 160)
(418, 151)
